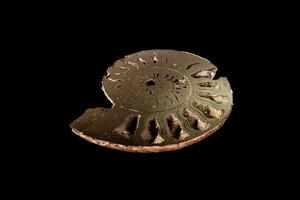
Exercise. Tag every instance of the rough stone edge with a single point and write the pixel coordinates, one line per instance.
(147, 149)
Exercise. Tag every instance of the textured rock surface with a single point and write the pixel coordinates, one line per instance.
(162, 100)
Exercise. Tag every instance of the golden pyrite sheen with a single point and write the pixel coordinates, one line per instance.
(162, 100)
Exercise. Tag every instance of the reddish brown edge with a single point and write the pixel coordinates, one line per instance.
(148, 149)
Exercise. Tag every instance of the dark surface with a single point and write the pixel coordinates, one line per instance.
(250, 153)
(63, 53)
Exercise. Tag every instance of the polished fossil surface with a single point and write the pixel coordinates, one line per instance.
(162, 100)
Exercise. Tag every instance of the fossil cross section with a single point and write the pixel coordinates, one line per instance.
(162, 100)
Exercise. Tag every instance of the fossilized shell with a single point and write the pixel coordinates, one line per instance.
(162, 100)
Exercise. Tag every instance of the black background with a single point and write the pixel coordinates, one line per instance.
(78, 58)
(77, 81)
(72, 51)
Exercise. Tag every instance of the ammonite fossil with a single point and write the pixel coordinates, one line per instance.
(162, 100)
